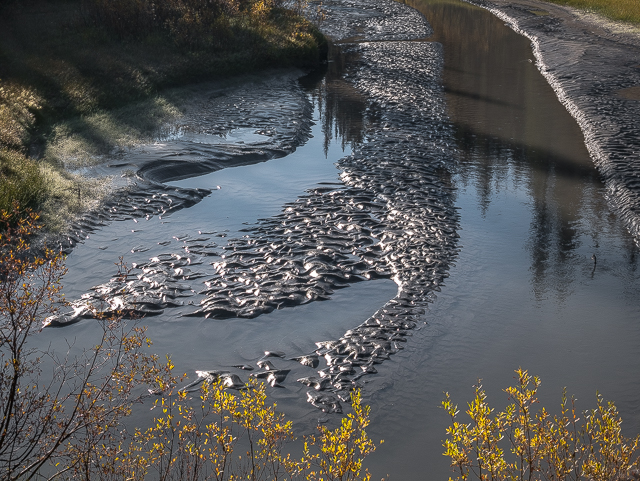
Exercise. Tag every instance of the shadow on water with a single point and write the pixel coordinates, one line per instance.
(561, 190)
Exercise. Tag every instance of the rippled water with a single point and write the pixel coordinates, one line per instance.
(351, 187)
(388, 216)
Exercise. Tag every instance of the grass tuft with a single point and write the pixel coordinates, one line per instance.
(621, 10)
(21, 181)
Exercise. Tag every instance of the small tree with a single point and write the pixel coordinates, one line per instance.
(339, 452)
(554, 448)
(58, 426)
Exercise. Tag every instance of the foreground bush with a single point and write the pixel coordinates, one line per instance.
(72, 424)
(519, 444)
(225, 436)
(55, 425)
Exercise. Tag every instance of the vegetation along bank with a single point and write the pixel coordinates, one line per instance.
(622, 10)
(66, 63)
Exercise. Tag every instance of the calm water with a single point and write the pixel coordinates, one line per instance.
(523, 290)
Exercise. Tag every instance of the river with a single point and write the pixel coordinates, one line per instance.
(425, 201)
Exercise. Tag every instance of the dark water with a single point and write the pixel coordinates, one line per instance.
(520, 290)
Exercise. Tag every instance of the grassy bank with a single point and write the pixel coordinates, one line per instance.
(66, 61)
(621, 10)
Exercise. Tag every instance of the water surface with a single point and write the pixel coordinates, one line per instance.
(524, 291)
(521, 288)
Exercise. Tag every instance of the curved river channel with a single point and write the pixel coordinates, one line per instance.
(427, 187)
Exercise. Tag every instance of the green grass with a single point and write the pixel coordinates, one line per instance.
(20, 181)
(621, 10)
(67, 64)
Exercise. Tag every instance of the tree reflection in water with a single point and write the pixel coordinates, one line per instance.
(343, 109)
(514, 134)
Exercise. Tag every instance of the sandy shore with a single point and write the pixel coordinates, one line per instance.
(593, 65)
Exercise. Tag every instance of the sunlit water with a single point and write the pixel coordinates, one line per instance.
(524, 290)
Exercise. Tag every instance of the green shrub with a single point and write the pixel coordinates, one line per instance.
(541, 447)
(21, 181)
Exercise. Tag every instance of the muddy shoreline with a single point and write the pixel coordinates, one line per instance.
(249, 131)
(593, 65)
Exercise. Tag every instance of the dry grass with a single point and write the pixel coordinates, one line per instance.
(621, 10)
(83, 141)
(58, 195)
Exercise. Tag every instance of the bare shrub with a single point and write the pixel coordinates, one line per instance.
(56, 426)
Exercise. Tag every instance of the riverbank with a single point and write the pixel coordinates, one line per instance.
(572, 17)
(593, 65)
(69, 81)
